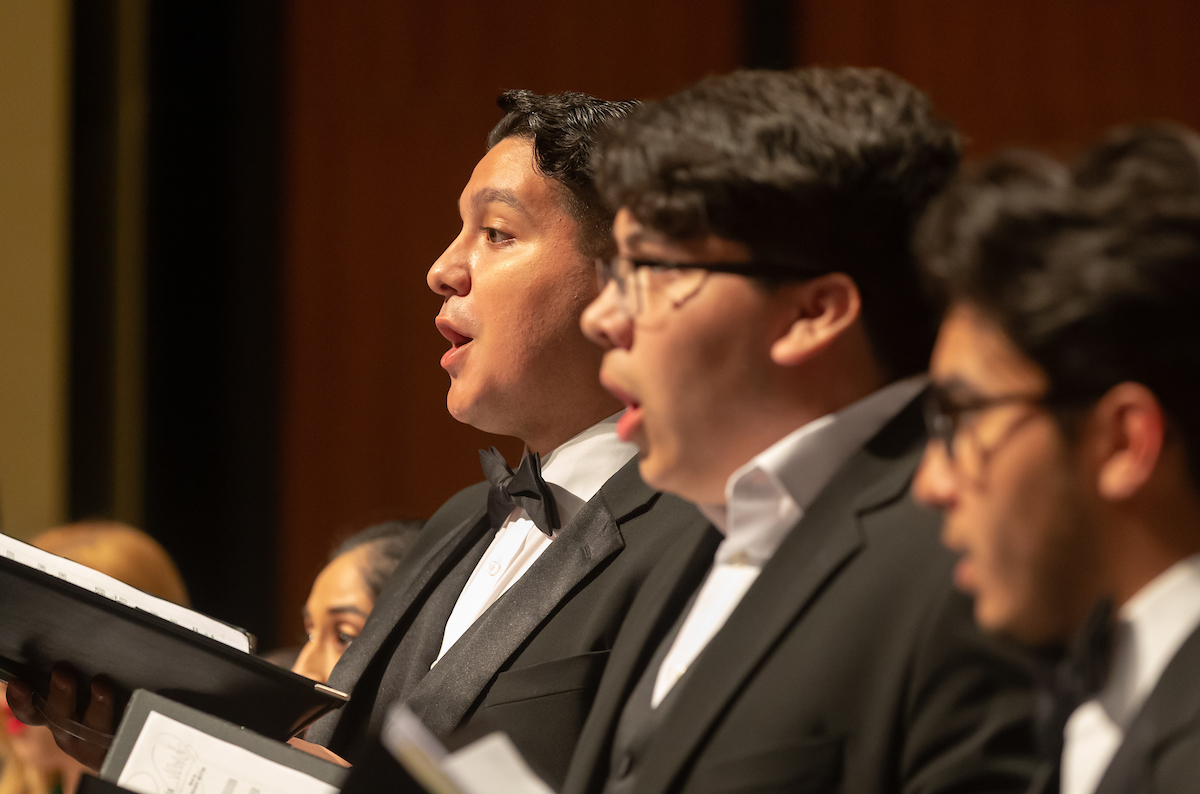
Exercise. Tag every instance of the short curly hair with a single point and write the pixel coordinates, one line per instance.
(563, 129)
(1092, 271)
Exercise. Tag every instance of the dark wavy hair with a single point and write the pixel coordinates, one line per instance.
(816, 171)
(387, 544)
(563, 129)
(1092, 271)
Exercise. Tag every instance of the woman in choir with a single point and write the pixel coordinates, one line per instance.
(345, 591)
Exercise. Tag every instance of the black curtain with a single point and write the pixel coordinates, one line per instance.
(211, 279)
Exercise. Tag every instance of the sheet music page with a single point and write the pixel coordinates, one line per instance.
(172, 758)
(122, 593)
(491, 765)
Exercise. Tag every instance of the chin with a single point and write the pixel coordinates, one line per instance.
(1012, 624)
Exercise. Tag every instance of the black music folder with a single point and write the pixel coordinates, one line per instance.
(45, 619)
(165, 746)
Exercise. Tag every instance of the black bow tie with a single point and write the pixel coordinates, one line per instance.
(525, 489)
(1079, 677)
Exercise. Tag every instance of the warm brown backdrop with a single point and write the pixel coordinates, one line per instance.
(389, 102)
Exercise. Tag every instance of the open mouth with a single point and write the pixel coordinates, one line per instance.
(631, 419)
(457, 340)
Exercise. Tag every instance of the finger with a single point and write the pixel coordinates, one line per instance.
(20, 702)
(62, 696)
(318, 751)
(101, 711)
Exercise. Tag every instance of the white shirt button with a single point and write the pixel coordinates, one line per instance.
(493, 568)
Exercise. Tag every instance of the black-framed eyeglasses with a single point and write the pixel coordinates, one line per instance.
(944, 413)
(640, 281)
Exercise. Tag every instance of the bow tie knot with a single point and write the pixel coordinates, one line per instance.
(523, 488)
(1078, 677)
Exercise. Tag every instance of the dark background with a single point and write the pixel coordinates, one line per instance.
(302, 164)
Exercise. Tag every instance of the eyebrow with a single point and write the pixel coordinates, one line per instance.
(491, 195)
(346, 610)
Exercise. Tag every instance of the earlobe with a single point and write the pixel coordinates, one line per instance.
(820, 311)
(1131, 424)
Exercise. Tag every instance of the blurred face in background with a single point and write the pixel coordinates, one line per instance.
(33, 745)
(335, 613)
(1008, 484)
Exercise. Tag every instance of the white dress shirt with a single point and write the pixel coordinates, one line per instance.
(1151, 628)
(574, 471)
(763, 501)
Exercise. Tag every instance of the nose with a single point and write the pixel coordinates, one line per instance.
(451, 273)
(935, 484)
(311, 664)
(606, 322)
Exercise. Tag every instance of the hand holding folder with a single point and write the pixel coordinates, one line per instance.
(117, 639)
(83, 736)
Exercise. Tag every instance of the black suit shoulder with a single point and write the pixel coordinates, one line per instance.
(1161, 751)
(850, 665)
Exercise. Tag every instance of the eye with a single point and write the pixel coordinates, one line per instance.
(495, 236)
(346, 638)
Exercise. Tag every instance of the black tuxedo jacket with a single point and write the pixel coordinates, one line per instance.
(850, 665)
(531, 663)
(1161, 751)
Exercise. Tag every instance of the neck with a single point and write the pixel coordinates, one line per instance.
(1147, 535)
(549, 436)
(768, 421)
(70, 777)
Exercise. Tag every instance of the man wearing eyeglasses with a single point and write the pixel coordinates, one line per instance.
(763, 324)
(1067, 440)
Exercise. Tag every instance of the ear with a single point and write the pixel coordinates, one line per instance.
(820, 310)
(1128, 424)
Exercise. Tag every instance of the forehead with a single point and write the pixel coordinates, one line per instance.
(973, 350)
(507, 175)
(634, 238)
(342, 579)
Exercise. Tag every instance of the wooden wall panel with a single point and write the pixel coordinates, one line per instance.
(389, 105)
(1023, 72)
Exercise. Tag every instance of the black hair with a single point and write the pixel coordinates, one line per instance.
(563, 129)
(386, 544)
(816, 170)
(1092, 271)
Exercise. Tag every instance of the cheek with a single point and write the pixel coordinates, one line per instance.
(1027, 554)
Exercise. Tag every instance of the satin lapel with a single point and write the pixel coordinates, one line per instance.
(626, 494)
(813, 552)
(402, 591)
(1172, 707)
(444, 696)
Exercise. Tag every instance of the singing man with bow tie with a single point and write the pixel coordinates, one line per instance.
(1066, 419)
(507, 608)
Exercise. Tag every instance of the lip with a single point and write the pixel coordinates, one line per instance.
(631, 421)
(964, 575)
(457, 339)
(13, 726)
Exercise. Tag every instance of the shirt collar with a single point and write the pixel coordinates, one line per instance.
(767, 496)
(1153, 625)
(578, 468)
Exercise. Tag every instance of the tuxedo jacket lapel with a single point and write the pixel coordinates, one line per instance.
(1172, 708)
(447, 694)
(362, 664)
(658, 605)
(822, 542)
